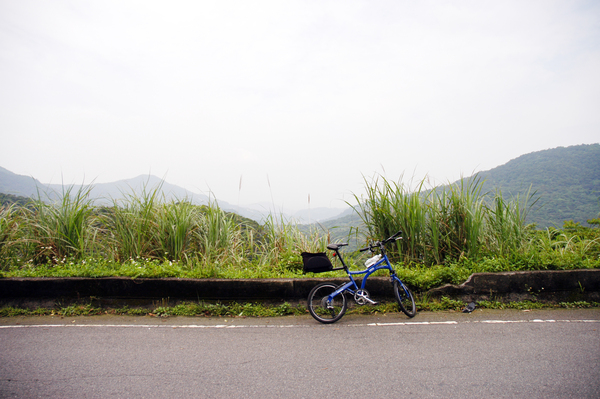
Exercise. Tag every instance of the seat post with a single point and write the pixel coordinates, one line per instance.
(339, 255)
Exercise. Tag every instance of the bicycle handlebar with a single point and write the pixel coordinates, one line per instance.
(379, 244)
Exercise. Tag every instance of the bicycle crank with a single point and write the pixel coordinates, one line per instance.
(362, 297)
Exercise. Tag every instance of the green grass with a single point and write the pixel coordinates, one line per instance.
(445, 224)
(145, 229)
(188, 309)
(235, 309)
(448, 234)
(418, 276)
(9, 229)
(64, 229)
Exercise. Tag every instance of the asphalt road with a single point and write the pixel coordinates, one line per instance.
(538, 354)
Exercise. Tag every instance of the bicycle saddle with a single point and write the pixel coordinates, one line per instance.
(335, 247)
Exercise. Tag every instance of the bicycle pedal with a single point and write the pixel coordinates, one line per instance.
(370, 301)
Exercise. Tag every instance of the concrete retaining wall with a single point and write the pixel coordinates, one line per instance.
(583, 284)
(546, 285)
(124, 287)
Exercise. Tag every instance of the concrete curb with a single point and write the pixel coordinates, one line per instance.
(144, 288)
(551, 285)
(547, 285)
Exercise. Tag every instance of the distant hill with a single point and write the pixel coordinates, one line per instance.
(19, 185)
(566, 182)
(565, 179)
(104, 193)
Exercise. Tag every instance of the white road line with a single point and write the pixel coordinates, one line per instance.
(412, 323)
(218, 326)
(483, 322)
(238, 326)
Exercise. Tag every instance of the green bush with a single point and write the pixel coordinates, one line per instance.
(448, 234)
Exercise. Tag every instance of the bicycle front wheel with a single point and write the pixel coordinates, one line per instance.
(405, 299)
(324, 309)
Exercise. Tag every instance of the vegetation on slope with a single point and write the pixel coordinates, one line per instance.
(565, 179)
(447, 236)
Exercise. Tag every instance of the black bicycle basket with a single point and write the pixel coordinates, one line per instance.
(316, 263)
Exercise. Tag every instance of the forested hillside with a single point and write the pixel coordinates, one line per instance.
(7, 199)
(566, 181)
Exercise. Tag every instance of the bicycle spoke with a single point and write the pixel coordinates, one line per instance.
(405, 299)
(322, 308)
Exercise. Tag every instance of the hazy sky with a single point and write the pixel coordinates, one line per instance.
(291, 99)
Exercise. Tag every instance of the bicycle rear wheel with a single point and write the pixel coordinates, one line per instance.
(322, 308)
(405, 299)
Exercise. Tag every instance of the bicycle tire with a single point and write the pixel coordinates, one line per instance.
(405, 299)
(318, 307)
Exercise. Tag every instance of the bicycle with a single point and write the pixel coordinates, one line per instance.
(327, 301)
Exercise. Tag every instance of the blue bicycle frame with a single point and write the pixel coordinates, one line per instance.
(327, 302)
(352, 286)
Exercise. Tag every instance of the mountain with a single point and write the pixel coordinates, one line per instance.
(11, 183)
(320, 214)
(103, 193)
(566, 182)
(106, 193)
(262, 210)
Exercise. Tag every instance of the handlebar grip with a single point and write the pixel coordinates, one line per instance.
(395, 237)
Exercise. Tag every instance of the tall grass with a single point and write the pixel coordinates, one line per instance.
(9, 230)
(63, 229)
(148, 226)
(390, 207)
(282, 242)
(141, 226)
(133, 227)
(507, 231)
(220, 237)
(445, 224)
(455, 216)
(177, 222)
(449, 232)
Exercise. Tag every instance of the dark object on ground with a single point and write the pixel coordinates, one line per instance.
(470, 307)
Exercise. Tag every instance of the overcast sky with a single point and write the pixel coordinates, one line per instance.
(279, 101)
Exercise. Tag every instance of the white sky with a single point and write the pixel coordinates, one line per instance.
(293, 98)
